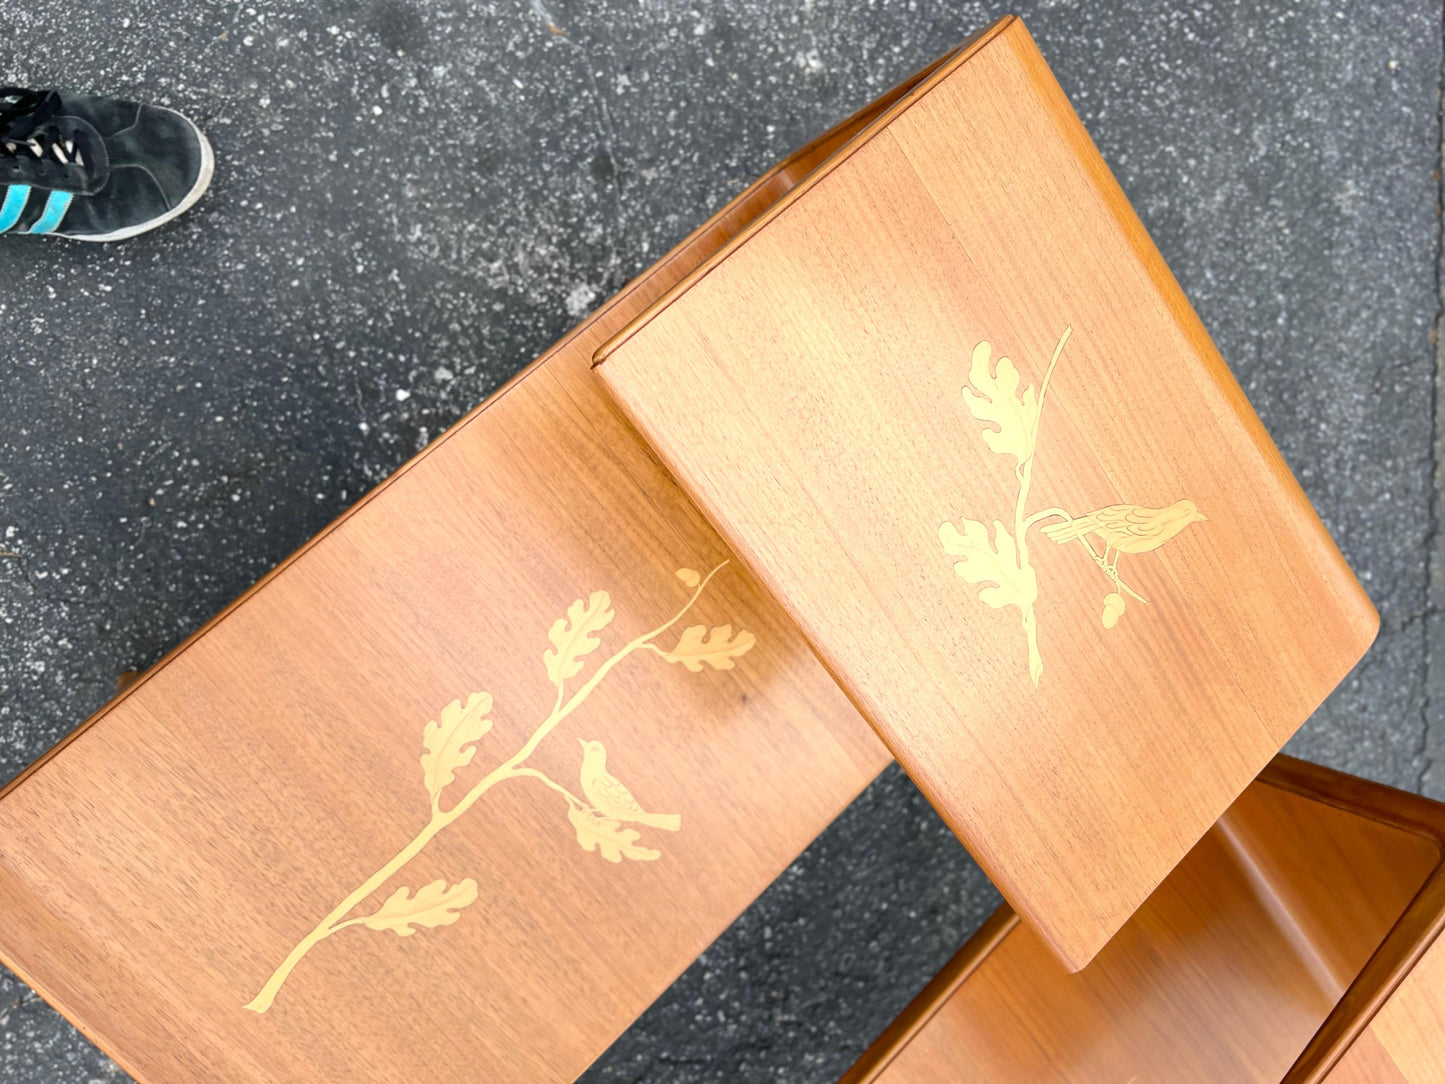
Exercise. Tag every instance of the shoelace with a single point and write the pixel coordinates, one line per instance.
(22, 128)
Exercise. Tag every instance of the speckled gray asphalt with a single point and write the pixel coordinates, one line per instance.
(414, 197)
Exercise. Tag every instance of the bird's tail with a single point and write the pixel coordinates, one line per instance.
(1069, 529)
(668, 822)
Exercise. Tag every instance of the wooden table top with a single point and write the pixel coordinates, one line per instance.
(949, 404)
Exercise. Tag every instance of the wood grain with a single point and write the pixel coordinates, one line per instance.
(1367, 1062)
(1405, 1042)
(158, 866)
(1224, 974)
(1411, 1025)
(970, 555)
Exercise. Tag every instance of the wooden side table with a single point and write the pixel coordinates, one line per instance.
(1295, 943)
(949, 404)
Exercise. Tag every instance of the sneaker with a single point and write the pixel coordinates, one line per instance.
(95, 169)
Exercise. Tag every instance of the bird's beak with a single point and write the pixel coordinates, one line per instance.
(582, 742)
(1201, 517)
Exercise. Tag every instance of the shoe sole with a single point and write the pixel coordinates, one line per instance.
(203, 181)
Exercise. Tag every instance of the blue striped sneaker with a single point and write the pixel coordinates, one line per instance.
(95, 169)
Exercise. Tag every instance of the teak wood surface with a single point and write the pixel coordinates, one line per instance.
(1260, 959)
(174, 878)
(1405, 1042)
(968, 541)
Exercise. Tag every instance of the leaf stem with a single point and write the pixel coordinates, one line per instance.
(332, 922)
(1025, 470)
(1113, 574)
(1025, 473)
(1046, 513)
(1048, 375)
(548, 781)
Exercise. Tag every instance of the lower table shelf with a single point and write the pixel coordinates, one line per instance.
(1263, 957)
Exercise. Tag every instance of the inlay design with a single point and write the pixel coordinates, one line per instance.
(600, 817)
(998, 562)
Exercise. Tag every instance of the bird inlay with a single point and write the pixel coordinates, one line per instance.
(998, 562)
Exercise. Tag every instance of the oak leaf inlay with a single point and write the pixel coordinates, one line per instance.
(698, 647)
(449, 741)
(433, 905)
